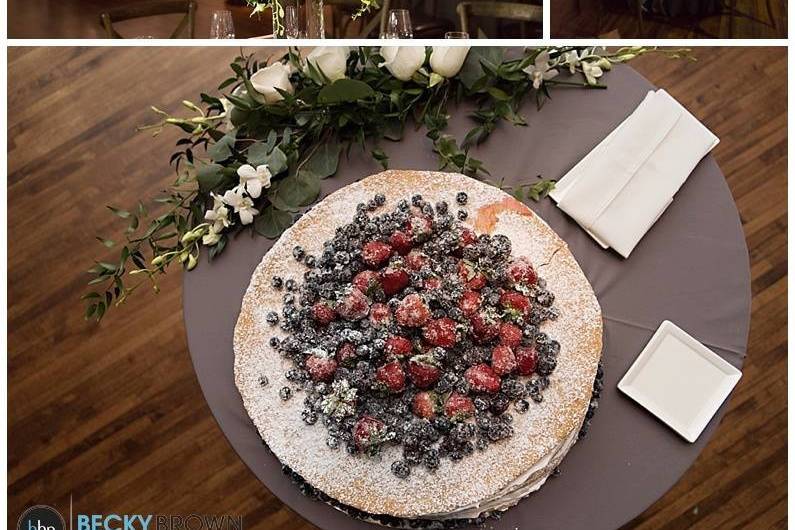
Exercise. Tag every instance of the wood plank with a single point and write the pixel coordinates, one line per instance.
(114, 415)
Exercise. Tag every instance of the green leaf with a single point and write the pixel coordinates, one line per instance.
(381, 157)
(435, 79)
(271, 222)
(479, 57)
(540, 189)
(323, 162)
(294, 191)
(259, 154)
(222, 149)
(209, 176)
(343, 91)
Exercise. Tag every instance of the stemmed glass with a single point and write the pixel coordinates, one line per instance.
(292, 29)
(398, 25)
(456, 35)
(221, 25)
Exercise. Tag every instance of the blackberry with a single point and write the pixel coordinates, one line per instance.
(401, 469)
(461, 215)
(545, 298)
(298, 252)
(277, 282)
(499, 404)
(272, 318)
(462, 387)
(442, 424)
(546, 365)
(309, 416)
(461, 198)
(481, 443)
(285, 393)
(481, 404)
(431, 459)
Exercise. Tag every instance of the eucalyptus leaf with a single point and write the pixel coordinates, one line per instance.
(272, 222)
(222, 149)
(209, 176)
(343, 91)
(294, 191)
(323, 162)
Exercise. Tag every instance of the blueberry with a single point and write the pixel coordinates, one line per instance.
(290, 285)
(263, 381)
(285, 393)
(272, 318)
(298, 252)
(277, 282)
(379, 199)
(521, 406)
(461, 198)
(462, 215)
(416, 200)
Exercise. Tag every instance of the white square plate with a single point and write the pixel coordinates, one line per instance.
(679, 380)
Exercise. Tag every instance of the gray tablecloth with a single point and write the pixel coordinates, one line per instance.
(691, 268)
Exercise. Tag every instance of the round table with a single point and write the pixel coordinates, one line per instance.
(691, 268)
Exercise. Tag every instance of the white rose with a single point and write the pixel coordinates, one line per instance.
(268, 79)
(448, 60)
(402, 61)
(331, 60)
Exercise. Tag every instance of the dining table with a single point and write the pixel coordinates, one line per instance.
(691, 268)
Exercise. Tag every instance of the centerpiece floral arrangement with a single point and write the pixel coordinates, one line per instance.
(253, 157)
(277, 11)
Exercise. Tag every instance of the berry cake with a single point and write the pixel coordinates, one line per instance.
(419, 348)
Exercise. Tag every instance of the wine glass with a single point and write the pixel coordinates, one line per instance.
(456, 35)
(221, 25)
(292, 30)
(398, 25)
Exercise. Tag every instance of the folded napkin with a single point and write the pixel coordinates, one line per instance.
(620, 189)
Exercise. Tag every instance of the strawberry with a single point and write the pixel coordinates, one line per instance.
(526, 359)
(346, 354)
(419, 227)
(510, 334)
(374, 253)
(412, 311)
(423, 371)
(425, 404)
(354, 305)
(458, 407)
(398, 346)
(367, 282)
(393, 280)
(401, 242)
(391, 376)
(440, 332)
(515, 302)
(484, 327)
(469, 303)
(472, 278)
(321, 368)
(521, 271)
(380, 314)
(416, 260)
(368, 434)
(481, 378)
(323, 313)
(503, 361)
(467, 237)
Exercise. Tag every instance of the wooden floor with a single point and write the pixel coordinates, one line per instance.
(765, 19)
(113, 416)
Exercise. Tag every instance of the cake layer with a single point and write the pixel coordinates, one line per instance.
(492, 479)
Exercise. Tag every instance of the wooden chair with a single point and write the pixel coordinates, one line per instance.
(499, 10)
(342, 16)
(638, 13)
(150, 9)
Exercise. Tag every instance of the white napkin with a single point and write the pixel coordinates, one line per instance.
(620, 189)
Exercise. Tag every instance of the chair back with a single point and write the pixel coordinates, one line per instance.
(151, 8)
(498, 10)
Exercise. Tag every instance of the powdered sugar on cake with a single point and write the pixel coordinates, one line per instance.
(494, 478)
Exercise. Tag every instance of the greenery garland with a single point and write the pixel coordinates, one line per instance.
(277, 10)
(254, 158)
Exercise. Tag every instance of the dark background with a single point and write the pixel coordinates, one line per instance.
(113, 414)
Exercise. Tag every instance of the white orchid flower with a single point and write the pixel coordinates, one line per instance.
(541, 71)
(211, 238)
(218, 216)
(572, 60)
(254, 180)
(243, 206)
(591, 72)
